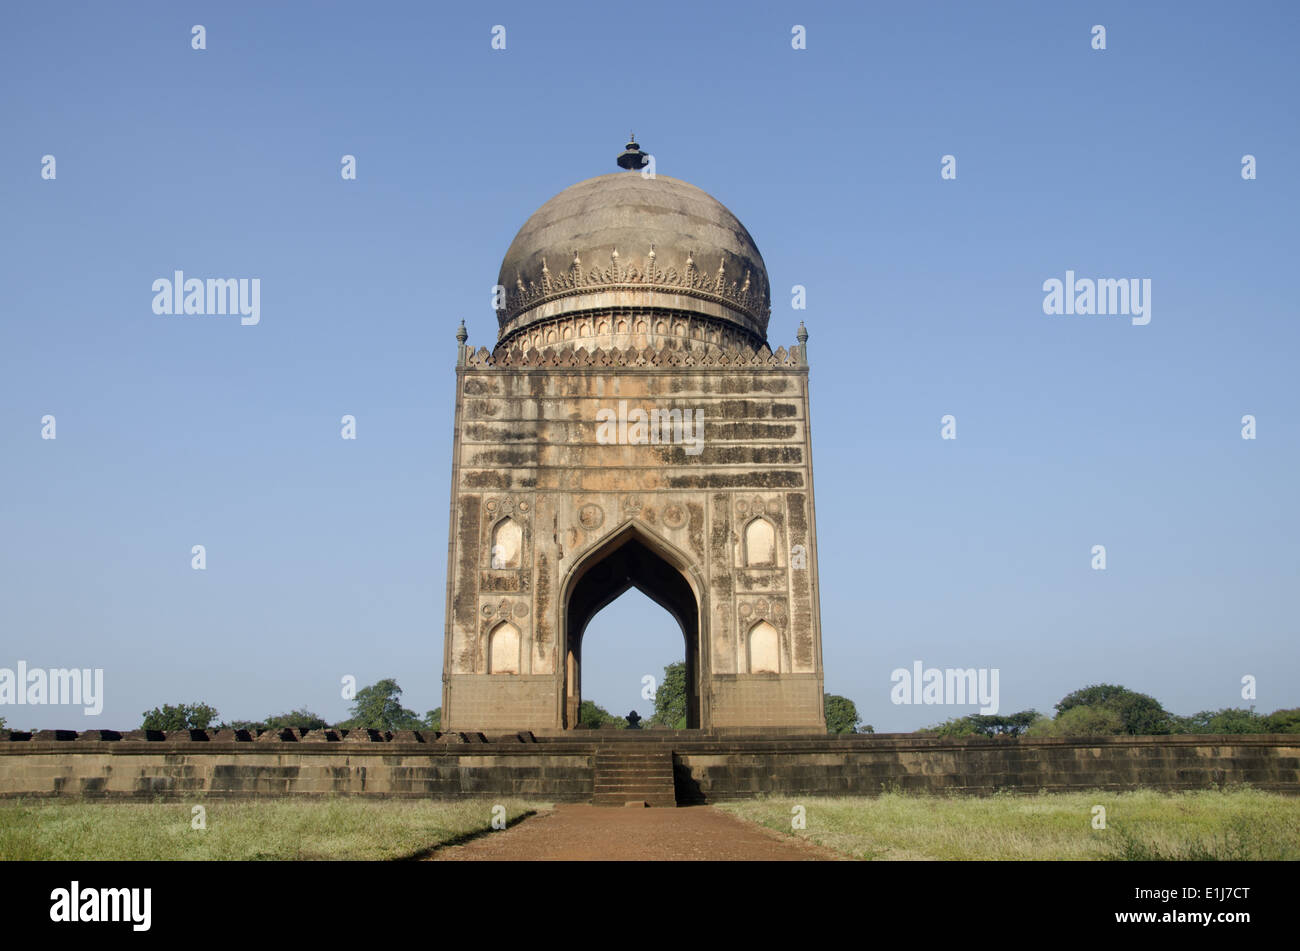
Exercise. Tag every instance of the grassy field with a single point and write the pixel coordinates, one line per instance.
(1238, 824)
(1142, 825)
(269, 829)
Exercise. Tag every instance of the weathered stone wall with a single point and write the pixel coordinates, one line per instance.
(412, 764)
(534, 485)
(371, 764)
(858, 766)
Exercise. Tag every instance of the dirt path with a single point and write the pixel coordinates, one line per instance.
(581, 832)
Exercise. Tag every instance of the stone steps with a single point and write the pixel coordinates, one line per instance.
(633, 777)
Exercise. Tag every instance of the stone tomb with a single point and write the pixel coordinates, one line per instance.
(632, 427)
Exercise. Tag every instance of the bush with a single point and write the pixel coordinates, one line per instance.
(1041, 726)
(1088, 721)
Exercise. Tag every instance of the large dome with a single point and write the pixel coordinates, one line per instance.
(632, 253)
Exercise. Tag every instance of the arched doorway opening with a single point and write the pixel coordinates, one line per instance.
(629, 639)
(630, 559)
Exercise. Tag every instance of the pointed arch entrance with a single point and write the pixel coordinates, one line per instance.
(632, 558)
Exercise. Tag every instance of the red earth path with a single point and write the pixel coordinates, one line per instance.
(582, 832)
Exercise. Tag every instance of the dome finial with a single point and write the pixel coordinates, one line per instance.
(632, 157)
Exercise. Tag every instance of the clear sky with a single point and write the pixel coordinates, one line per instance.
(327, 557)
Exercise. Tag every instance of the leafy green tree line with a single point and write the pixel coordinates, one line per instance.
(1113, 710)
(1095, 710)
(376, 707)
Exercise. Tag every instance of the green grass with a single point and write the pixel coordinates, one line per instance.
(1141, 825)
(339, 828)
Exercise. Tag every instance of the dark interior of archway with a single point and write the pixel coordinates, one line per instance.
(630, 565)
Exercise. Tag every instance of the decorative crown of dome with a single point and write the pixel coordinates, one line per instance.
(630, 242)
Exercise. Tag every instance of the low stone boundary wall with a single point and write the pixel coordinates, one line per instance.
(739, 770)
(559, 768)
(234, 764)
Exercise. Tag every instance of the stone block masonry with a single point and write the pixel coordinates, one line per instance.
(542, 499)
(708, 767)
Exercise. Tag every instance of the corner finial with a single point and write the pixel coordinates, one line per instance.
(462, 334)
(632, 157)
(802, 335)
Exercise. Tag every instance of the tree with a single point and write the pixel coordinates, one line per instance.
(978, 724)
(250, 725)
(1140, 714)
(1011, 724)
(377, 707)
(1227, 720)
(957, 726)
(1144, 716)
(183, 716)
(1283, 721)
(1092, 696)
(841, 714)
(302, 719)
(670, 698)
(593, 716)
(433, 720)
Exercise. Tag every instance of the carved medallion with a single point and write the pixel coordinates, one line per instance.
(504, 506)
(591, 516)
(505, 609)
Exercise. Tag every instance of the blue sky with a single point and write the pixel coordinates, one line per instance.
(327, 557)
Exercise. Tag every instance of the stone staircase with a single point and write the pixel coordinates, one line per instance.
(632, 776)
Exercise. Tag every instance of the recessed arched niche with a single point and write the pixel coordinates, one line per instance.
(503, 649)
(760, 544)
(507, 544)
(764, 649)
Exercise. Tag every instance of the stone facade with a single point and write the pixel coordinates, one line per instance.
(724, 537)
